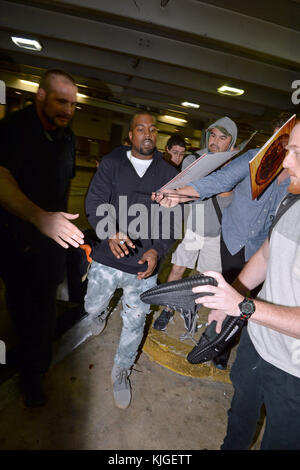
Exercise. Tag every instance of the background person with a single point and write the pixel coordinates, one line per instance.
(37, 162)
(202, 250)
(175, 150)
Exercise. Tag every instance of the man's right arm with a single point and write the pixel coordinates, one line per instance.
(215, 183)
(170, 198)
(254, 272)
(55, 225)
(228, 296)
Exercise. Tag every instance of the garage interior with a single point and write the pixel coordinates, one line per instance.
(172, 58)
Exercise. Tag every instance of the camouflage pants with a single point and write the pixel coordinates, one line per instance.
(102, 283)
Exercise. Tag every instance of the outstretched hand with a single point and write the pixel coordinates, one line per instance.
(57, 225)
(162, 197)
(167, 198)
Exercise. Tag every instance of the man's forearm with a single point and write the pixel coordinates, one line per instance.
(254, 272)
(187, 191)
(14, 200)
(227, 298)
(283, 319)
(55, 225)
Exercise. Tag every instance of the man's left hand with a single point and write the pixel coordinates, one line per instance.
(225, 298)
(150, 257)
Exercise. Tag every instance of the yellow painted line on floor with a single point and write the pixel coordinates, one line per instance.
(171, 353)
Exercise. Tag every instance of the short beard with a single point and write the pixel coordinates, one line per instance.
(48, 118)
(294, 188)
(146, 152)
(52, 120)
(141, 151)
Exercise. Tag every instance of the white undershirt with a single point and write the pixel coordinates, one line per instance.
(139, 165)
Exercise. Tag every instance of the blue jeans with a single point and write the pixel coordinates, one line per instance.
(102, 283)
(256, 383)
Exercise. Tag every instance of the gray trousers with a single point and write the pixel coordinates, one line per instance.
(102, 283)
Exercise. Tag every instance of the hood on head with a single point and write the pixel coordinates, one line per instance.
(227, 124)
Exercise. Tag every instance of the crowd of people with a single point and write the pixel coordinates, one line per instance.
(251, 247)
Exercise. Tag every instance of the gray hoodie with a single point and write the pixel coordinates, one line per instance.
(229, 126)
(225, 123)
(212, 226)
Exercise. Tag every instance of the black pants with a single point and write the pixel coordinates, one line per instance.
(257, 383)
(231, 267)
(31, 278)
(231, 264)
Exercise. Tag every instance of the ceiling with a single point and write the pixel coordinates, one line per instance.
(154, 54)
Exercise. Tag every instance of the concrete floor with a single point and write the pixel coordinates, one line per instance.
(168, 410)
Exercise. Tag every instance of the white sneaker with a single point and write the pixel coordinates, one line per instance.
(121, 386)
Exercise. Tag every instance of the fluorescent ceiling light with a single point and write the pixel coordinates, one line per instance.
(28, 82)
(228, 90)
(81, 95)
(190, 105)
(25, 43)
(172, 118)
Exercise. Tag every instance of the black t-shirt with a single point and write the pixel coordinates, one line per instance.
(43, 164)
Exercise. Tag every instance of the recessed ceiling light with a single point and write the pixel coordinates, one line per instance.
(190, 105)
(25, 43)
(28, 82)
(173, 118)
(228, 90)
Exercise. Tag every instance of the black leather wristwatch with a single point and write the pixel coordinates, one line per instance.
(247, 308)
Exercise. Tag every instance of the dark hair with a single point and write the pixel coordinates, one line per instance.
(176, 139)
(140, 113)
(45, 81)
(281, 119)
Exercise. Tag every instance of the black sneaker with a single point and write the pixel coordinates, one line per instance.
(178, 295)
(207, 351)
(162, 321)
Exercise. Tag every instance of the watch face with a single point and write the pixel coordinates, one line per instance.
(247, 307)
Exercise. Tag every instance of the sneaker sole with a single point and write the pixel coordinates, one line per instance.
(160, 329)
